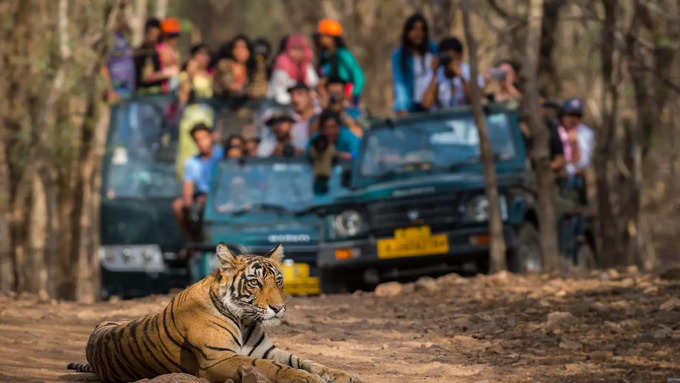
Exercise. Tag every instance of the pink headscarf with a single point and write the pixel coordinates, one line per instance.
(296, 70)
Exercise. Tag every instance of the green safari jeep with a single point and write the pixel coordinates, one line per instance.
(142, 249)
(417, 204)
(257, 203)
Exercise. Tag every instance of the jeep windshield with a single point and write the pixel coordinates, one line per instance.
(141, 151)
(437, 144)
(267, 185)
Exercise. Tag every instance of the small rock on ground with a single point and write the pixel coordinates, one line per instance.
(570, 345)
(670, 305)
(427, 284)
(388, 289)
(557, 319)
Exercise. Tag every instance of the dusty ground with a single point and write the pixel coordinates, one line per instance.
(608, 327)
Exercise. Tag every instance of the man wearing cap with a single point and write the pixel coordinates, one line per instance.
(198, 171)
(168, 53)
(577, 139)
(577, 143)
(280, 141)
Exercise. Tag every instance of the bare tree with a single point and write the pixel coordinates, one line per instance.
(541, 155)
(497, 252)
(52, 123)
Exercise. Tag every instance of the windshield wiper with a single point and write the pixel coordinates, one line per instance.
(261, 207)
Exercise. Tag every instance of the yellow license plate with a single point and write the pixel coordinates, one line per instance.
(412, 242)
(296, 280)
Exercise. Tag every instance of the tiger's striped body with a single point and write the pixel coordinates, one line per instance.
(209, 330)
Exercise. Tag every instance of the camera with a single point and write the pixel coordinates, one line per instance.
(445, 60)
(320, 143)
(288, 150)
(499, 74)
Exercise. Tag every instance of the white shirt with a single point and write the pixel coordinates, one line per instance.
(281, 81)
(450, 91)
(586, 143)
(422, 73)
(299, 135)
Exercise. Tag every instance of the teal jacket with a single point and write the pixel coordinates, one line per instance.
(347, 69)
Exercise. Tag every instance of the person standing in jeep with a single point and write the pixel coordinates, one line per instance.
(578, 143)
(198, 172)
(448, 84)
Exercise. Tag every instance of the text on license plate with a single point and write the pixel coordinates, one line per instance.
(411, 242)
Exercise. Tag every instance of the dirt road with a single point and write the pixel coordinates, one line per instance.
(608, 327)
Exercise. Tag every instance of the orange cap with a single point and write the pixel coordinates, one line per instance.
(329, 27)
(170, 25)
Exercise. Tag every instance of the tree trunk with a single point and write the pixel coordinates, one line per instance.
(37, 230)
(548, 75)
(545, 181)
(609, 230)
(497, 256)
(136, 16)
(6, 272)
(161, 9)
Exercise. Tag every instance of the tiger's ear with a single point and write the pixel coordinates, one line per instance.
(226, 259)
(276, 254)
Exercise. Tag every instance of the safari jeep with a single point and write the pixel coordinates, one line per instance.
(141, 245)
(417, 204)
(257, 203)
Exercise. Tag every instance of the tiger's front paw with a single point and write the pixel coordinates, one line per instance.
(339, 376)
(298, 376)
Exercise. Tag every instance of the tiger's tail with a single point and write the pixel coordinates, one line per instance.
(80, 367)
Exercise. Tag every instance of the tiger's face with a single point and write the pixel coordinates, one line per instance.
(250, 286)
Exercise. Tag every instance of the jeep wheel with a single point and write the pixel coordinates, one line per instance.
(332, 282)
(526, 257)
(585, 258)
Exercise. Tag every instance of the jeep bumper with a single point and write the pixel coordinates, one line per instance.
(465, 245)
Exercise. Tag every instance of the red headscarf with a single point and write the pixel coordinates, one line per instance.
(296, 70)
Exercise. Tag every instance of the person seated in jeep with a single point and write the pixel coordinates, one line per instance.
(334, 98)
(448, 85)
(280, 142)
(345, 143)
(333, 141)
(198, 171)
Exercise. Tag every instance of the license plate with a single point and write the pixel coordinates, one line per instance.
(296, 280)
(412, 242)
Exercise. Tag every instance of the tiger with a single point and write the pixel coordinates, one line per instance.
(209, 330)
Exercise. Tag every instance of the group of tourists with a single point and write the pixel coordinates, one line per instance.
(317, 86)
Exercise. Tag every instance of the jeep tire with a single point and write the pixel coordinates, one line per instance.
(585, 258)
(332, 282)
(526, 256)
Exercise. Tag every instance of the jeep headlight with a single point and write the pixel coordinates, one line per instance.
(477, 208)
(349, 223)
(132, 258)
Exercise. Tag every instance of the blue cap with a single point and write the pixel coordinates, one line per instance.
(573, 106)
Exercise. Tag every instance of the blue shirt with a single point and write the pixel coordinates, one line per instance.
(404, 78)
(199, 171)
(347, 142)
